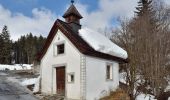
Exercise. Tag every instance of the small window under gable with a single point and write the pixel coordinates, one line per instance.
(109, 72)
(60, 48)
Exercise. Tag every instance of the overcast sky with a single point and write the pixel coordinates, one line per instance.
(38, 16)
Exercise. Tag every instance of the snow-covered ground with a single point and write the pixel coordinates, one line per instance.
(122, 77)
(21, 80)
(32, 81)
(102, 44)
(168, 87)
(27, 81)
(145, 97)
(10, 90)
(16, 67)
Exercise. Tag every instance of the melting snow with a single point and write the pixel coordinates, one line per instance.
(37, 85)
(122, 77)
(145, 97)
(168, 87)
(31, 81)
(102, 44)
(15, 67)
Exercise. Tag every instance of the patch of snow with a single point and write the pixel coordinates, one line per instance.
(101, 43)
(32, 81)
(145, 97)
(37, 85)
(16, 67)
(28, 81)
(122, 77)
(3, 74)
(168, 86)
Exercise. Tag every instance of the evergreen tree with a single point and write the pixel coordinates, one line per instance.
(146, 14)
(1, 49)
(6, 46)
(27, 47)
(30, 48)
(22, 52)
(41, 40)
(144, 7)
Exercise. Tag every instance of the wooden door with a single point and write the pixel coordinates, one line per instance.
(60, 80)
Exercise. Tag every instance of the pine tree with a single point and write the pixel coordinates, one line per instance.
(22, 52)
(6, 46)
(144, 7)
(40, 42)
(27, 47)
(1, 49)
(146, 13)
(147, 31)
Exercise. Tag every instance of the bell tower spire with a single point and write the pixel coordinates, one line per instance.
(72, 15)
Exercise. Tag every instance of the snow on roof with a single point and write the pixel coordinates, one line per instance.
(101, 43)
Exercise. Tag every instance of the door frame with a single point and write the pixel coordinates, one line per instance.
(54, 78)
(63, 88)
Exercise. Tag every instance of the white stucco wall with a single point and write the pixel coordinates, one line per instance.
(70, 59)
(96, 84)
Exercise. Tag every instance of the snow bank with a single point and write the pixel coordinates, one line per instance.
(145, 97)
(168, 86)
(31, 81)
(16, 67)
(37, 85)
(122, 77)
(28, 81)
(102, 44)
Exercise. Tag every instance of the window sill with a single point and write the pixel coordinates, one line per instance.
(109, 80)
(70, 82)
(59, 55)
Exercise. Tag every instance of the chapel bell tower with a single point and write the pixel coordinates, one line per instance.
(72, 16)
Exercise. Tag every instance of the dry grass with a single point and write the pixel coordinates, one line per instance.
(117, 95)
(52, 97)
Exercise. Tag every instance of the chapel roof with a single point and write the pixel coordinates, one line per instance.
(77, 41)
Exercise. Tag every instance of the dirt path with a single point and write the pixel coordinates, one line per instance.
(13, 91)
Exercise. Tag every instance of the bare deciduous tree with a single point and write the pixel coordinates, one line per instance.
(146, 39)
